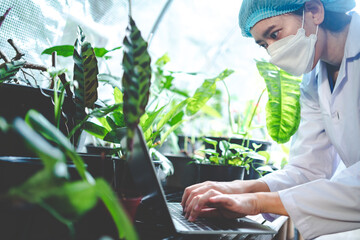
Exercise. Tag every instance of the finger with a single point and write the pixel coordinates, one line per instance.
(198, 191)
(187, 192)
(201, 201)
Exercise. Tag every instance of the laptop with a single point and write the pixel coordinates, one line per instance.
(155, 209)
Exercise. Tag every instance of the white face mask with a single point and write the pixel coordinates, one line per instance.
(295, 53)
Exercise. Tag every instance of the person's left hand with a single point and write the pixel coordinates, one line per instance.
(215, 204)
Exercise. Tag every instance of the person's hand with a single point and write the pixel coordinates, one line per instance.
(215, 204)
(234, 187)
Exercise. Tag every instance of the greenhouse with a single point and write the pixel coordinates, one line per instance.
(169, 119)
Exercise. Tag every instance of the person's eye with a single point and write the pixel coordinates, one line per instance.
(274, 35)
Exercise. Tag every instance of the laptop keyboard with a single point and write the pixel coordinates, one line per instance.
(176, 212)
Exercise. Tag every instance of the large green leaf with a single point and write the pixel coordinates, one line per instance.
(95, 130)
(10, 69)
(205, 92)
(39, 123)
(68, 50)
(85, 73)
(50, 187)
(136, 78)
(283, 107)
(126, 230)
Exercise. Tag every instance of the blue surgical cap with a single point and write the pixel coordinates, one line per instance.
(253, 11)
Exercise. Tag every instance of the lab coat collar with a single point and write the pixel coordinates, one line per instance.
(352, 46)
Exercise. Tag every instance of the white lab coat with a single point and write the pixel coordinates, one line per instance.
(318, 201)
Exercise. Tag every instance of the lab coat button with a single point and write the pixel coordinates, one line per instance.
(336, 115)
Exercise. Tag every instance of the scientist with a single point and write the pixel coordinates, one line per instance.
(320, 187)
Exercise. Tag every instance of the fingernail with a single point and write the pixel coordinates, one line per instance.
(191, 219)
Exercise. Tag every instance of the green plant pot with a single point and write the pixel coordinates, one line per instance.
(210, 172)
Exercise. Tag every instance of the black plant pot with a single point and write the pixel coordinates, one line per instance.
(210, 172)
(16, 100)
(185, 173)
(21, 220)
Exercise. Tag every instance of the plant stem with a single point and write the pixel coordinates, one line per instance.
(229, 109)
(254, 112)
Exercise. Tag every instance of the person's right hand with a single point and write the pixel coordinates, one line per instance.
(234, 187)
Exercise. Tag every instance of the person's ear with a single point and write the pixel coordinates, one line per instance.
(317, 10)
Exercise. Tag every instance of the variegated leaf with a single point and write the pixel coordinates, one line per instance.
(85, 73)
(136, 78)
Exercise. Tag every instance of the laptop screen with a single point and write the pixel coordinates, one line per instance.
(153, 203)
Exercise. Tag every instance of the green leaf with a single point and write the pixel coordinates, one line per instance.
(169, 131)
(177, 118)
(61, 50)
(172, 113)
(111, 123)
(112, 80)
(125, 228)
(4, 126)
(85, 73)
(95, 130)
(10, 69)
(283, 107)
(50, 132)
(103, 111)
(67, 51)
(48, 154)
(205, 92)
(116, 135)
(101, 52)
(151, 117)
(119, 119)
(118, 95)
(136, 78)
(210, 141)
(163, 60)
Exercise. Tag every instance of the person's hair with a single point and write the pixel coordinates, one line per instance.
(333, 21)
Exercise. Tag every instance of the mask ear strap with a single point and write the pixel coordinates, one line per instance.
(317, 29)
(303, 18)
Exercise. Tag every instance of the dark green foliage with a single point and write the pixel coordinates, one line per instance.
(51, 187)
(68, 50)
(85, 73)
(10, 69)
(136, 78)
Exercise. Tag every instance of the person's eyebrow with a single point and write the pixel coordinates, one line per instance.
(266, 33)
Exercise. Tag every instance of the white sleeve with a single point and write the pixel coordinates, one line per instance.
(312, 156)
(325, 206)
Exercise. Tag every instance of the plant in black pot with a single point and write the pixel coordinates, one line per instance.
(230, 164)
(61, 185)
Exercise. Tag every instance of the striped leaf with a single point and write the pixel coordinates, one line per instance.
(10, 69)
(85, 73)
(283, 106)
(136, 78)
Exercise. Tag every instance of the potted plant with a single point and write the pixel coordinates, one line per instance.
(67, 191)
(230, 164)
